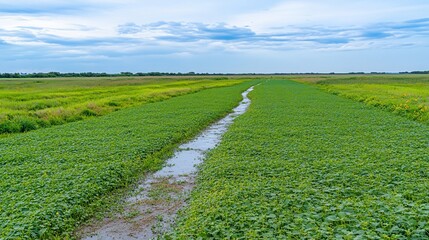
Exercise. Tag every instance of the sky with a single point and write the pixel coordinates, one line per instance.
(214, 36)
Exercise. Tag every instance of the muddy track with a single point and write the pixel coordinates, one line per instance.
(151, 208)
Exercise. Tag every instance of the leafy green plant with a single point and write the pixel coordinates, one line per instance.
(306, 164)
(51, 179)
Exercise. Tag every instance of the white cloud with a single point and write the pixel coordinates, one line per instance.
(116, 29)
(332, 12)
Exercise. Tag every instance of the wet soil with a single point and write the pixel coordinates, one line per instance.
(151, 208)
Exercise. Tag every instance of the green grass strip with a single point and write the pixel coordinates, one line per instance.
(30, 104)
(306, 164)
(50, 177)
(405, 95)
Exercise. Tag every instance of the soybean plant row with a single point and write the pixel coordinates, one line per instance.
(306, 164)
(51, 178)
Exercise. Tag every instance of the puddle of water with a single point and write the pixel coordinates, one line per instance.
(192, 153)
(151, 209)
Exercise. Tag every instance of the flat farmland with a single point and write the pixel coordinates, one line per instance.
(28, 104)
(313, 157)
(405, 95)
(52, 178)
(306, 164)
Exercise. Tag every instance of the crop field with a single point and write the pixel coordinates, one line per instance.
(51, 178)
(314, 157)
(406, 95)
(306, 164)
(37, 103)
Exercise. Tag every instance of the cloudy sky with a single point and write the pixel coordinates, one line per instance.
(214, 35)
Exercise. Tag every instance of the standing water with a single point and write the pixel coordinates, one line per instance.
(151, 209)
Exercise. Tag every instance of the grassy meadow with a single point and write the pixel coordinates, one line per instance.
(406, 95)
(28, 104)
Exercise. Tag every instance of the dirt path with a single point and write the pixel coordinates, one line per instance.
(152, 207)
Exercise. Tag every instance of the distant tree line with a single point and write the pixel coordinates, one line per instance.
(415, 72)
(140, 74)
(92, 74)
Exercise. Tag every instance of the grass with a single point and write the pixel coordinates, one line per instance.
(306, 164)
(29, 104)
(52, 178)
(405, 95)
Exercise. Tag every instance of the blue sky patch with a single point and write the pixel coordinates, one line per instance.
(213, 36)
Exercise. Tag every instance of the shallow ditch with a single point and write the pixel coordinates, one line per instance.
(151, 208)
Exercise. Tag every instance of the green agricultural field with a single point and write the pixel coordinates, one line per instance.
(28, 104)
(406, 95)
(306, 164)
(52, 178)
(322, 160)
